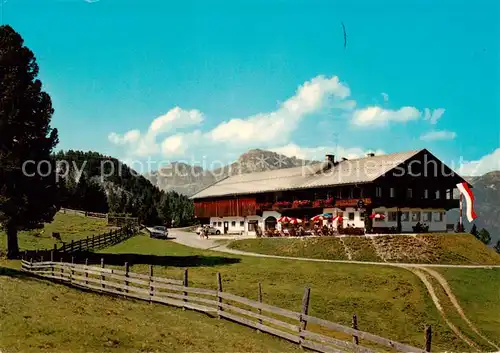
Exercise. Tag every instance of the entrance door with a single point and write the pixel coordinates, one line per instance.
(226, 227)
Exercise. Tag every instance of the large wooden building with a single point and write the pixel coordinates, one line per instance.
(406, 188)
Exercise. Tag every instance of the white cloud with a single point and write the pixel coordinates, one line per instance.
(385, 96)
(487, 163)
(175, 118)
(377, 116)
(276, 126)
(433, 116)
(146, 144)
(318, 153)
(436, 135)
(177, 145)
(129, 137)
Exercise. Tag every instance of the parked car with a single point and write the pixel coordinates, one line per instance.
(211, 230)
(158, 232)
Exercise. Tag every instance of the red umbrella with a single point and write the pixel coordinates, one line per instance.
(295, 221)
(284, 219)
(338, 218)
(317, 218)
(377, 216)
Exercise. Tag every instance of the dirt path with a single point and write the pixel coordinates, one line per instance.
(442, 281)
(346, 249)
(435, 299)
(193, 240)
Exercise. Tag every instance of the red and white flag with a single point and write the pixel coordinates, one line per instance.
(469, 199)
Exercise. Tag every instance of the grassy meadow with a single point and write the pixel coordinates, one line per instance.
(423, 248)
(478, 292)
(39, 316)
(390, 302)
(70, 227)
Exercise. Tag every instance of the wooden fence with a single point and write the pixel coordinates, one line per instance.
(290, 325)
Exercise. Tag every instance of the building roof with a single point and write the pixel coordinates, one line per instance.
(354, 171)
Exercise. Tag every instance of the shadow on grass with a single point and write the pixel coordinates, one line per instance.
(14, 273)
(133, 259)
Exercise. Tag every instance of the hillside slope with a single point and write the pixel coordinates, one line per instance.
(424, 248)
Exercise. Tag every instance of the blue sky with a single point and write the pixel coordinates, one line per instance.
(204, 80)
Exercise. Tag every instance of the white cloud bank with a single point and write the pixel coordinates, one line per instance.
(487, 163)
(437, 135)
(263, 130)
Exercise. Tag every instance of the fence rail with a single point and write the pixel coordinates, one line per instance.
(96, 242)
(287, 324)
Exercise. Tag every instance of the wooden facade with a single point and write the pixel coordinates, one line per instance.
(229, 207)
(421, 182)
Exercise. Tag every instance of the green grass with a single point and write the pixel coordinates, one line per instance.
(391, 302)
(70, 227)
(478, 293)
(314, 248)
(40, 316)
(425, 248)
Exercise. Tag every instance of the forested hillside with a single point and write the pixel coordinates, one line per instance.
(98, 183)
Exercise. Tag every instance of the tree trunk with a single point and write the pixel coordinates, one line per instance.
(12, 244)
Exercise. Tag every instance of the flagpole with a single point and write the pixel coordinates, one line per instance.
(461, 218)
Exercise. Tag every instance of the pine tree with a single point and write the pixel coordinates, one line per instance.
(29, 192)
(485, 236)
(497, 247)
(474, 231)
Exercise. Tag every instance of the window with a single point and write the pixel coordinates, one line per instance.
(362, 216)
(415, 216)
(215, 224)
(378, 191)
(393, 192)
(350, 193)
(339, 193)
(242, 223)
(409, 193)
(448, 194)
(438, 216)
(405, 216)
(351, 216)
(233, 224)
(392, 216)
(426, 194)
(438, 195)
(427, 216)
(219, 224)
(252, 225)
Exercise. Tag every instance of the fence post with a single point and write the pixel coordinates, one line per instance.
(219, 290)
(428, 338)
(51, 263)
(87, 243)
(151, 288)
(259, 298)
(72, 269)
(305, 311)
(355, 338)
(72, 245)
(55, 247)
(185, 284)
(86, 270)
(126, 276)
(102, 273)
(31, 264)
(62, 268)
(41, 258)
(93, 241)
